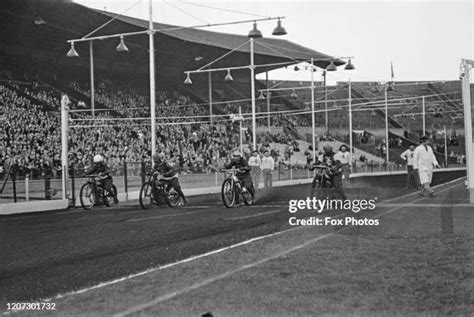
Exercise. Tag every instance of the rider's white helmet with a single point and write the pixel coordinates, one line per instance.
(158, 157)
(98, 158)
(237, 153)
(327, 148)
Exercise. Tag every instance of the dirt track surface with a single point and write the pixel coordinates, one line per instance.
(58, 252)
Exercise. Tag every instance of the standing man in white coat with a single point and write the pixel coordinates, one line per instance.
(344, 157)
(412, 177)
(424, 161)
(268, 164)
(254, 163)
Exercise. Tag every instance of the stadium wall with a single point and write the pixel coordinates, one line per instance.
(37, 206)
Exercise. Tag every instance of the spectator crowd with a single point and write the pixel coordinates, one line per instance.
(30, 130)
(30, 136)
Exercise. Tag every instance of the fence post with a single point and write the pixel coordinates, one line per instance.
(142, 172)
(14, 186)
(279, 171)
(291, 172)
(125, 179)
(27, 187)
(215, 174)
(47, 186)
(73, 186)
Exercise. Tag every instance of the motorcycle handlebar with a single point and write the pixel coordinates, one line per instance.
(230, 170)
(320, 167)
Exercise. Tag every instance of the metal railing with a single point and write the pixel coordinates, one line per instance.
(20, 188)
(129, 176)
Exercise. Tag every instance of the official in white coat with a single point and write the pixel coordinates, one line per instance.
(344, 157)
(424, 161)
(268, 164)
(254, 163)
(412, 176)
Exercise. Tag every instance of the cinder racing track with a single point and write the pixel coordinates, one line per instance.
(50, 253)
(46, 254)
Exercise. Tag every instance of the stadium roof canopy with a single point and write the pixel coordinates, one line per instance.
(40, 30)
(266, 47)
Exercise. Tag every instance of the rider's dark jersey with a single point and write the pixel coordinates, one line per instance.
(240, 164)
(328, 157)
(165, 169)
(98, 169)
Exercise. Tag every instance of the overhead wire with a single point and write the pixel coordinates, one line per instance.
(249, 114)
(111, 20)
(221, 57)
(185, 12)
(222, 9)
(379, 102)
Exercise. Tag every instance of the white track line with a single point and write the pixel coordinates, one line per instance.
(416, 192)
(100, 285)
(208, 281)
(166, 216)
(399, 206)
(263, 206)
(410, 205)
(254, 215)
(220, 276)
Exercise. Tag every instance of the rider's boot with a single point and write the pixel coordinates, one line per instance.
(114, 196)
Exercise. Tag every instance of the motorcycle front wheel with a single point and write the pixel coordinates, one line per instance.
(228, 193)
(87, 196)
(146, 196)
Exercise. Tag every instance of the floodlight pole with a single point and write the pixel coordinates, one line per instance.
(350, 125)
(210, 97)
(445, 147)
(424, 115)
(465, 68)
(64, 143)
(387, 156)
(313, 125)
(91, 57)
(252, 80)
(326, 118)
(268, 103)
(152, 81)
(240, 131)
(269, 96)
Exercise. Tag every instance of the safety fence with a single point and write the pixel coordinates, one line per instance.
(129, 176)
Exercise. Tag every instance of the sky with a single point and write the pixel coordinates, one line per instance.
(425, 40)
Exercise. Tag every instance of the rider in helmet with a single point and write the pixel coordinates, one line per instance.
(333, 173)
(166, 170)
(239, 162)
(99, 167)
